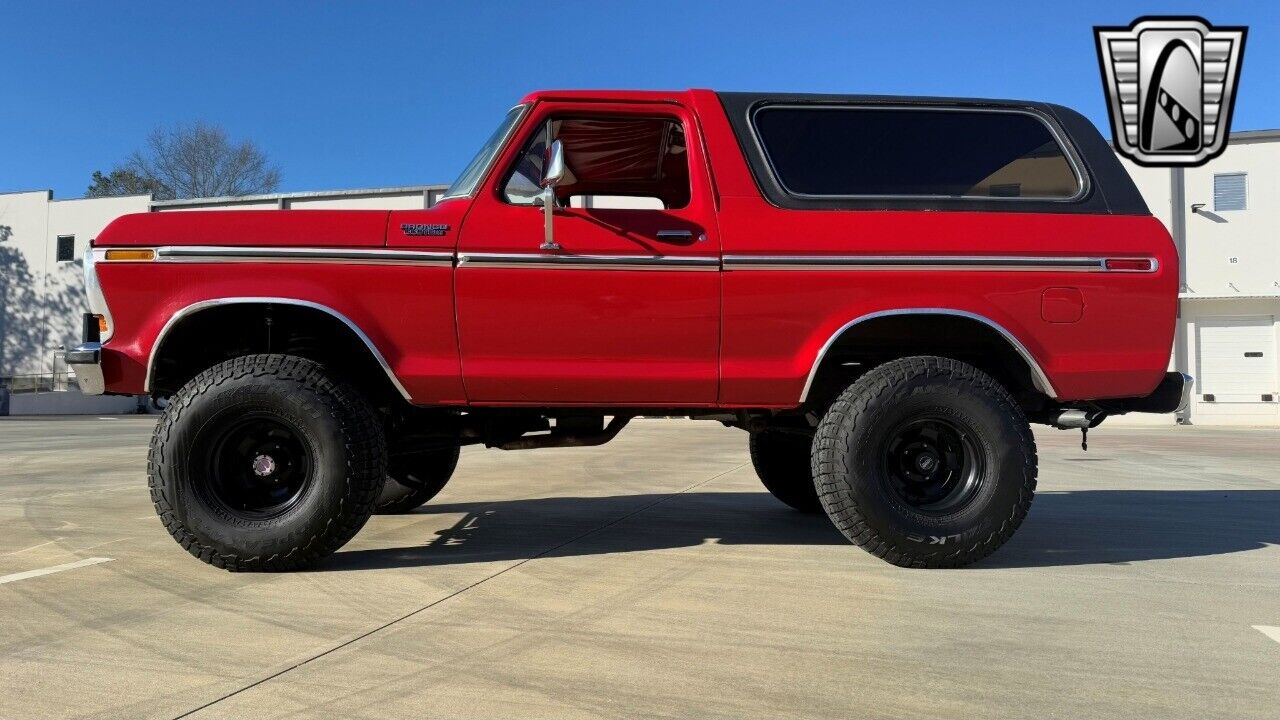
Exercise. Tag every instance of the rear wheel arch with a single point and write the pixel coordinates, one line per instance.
(878, 337)
(205, 333)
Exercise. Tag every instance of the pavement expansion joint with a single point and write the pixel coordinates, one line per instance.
(546, 551)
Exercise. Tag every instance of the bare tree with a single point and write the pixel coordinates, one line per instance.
(123, 181)
(193, 160)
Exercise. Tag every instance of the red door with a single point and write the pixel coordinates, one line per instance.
(627, 311)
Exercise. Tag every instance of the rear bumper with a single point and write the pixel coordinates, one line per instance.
(86, 361)
(1173, 394)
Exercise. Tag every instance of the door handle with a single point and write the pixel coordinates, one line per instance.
(679, 235)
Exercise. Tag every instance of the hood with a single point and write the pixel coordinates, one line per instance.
(280, 228)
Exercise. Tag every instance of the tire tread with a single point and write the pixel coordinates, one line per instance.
(831, 457)
(365, 453)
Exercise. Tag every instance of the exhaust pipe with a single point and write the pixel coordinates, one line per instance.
(1073, 419)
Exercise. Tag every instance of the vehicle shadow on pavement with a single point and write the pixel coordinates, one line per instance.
(1087, 527)
(1064, 528)
(570, 526)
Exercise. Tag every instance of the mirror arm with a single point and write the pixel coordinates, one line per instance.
(552, 173)
(548, 207)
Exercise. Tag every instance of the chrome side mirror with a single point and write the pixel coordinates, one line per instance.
(554, 173)
(551, 177)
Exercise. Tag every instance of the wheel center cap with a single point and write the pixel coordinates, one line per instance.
(264, 465)
(926, 462)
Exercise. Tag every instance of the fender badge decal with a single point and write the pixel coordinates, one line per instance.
(419, 229)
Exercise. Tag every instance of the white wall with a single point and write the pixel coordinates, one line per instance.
(1227, 253)
(1231, 253)
(24, 219)
(1230, 259)
(41, 299)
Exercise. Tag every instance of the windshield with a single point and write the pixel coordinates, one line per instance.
(475, 170)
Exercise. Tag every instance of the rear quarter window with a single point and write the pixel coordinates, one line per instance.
(901, 152)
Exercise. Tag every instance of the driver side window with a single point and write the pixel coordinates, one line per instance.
(611, 162)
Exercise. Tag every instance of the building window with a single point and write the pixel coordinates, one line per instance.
(66, 248)
(1230, 191)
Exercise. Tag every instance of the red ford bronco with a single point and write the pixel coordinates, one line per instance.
(882, 291)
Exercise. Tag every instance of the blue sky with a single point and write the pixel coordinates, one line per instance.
(379, 93)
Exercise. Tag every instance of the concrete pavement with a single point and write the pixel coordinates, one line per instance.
(651, 577)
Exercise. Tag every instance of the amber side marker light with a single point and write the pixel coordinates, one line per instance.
(117, 255)
(102, 324)
(1129, 264)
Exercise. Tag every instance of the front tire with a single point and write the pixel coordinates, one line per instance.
(264, 462)
(925, 462)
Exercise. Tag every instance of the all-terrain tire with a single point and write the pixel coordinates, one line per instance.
(782, 461)
(332, 443)
(414, 479)
(859, 440)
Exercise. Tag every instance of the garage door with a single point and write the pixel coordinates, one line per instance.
(1237, 359)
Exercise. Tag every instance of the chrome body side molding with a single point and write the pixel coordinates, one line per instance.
(1038, 376)
(363, 256)
(218, 302)
(925, 262)
(381, 256)
(588, 262)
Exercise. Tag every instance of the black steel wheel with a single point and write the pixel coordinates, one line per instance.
(257, 465)
(932, 464)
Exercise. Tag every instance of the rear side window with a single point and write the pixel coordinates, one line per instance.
(842, 151)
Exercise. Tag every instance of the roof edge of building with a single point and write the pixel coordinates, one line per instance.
(98, 197)
(1272, 134)
(46, 191)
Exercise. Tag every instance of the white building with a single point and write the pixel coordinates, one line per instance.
(1224, 218)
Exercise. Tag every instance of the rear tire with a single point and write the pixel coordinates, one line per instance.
(781, 461)
(925, 462)
(415, 479)
(264, 462)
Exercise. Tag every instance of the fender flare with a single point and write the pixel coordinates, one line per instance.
(1038, 376)
(196, 307)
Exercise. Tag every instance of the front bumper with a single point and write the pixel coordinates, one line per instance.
(1172, 395)
(86, 361)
